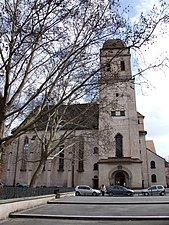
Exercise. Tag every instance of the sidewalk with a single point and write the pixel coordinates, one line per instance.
(17, 204)
(101, 208)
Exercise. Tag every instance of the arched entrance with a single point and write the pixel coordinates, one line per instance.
(120, 179)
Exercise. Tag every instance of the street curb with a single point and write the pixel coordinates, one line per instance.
(106, 203)
(103, 218)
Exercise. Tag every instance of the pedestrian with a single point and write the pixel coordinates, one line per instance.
(103, 189)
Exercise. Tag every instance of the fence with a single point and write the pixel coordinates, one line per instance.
(19, 192)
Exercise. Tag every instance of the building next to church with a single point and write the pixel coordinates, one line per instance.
(110, 147)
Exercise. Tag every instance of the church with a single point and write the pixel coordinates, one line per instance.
(108, 147)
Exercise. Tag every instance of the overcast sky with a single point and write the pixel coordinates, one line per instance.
(153, 100)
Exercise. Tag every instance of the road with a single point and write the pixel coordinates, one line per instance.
(78, 210)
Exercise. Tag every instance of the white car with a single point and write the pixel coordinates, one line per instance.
(86, 190)
(154, 190)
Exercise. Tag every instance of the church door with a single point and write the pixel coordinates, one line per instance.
(120, 179)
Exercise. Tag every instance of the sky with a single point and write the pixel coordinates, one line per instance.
(152, 99)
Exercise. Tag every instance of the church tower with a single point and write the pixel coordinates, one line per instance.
(119, 150)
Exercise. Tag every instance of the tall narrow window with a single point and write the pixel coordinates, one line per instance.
(81, 154)
(153, 178)
(95, 166)
(122, 65)
(26, 144)
(152, 165)
(25, 154)
(119, 145)
(44, 152)
(61, 158)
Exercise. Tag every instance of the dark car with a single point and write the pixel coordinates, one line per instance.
(119, 190)
(154, 190)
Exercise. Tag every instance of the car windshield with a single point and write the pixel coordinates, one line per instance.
(160, 187)
(152, 188)
(124, 188)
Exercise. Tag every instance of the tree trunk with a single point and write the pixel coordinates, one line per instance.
(36, 174)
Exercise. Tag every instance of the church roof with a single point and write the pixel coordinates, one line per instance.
(150, 145)
(139, 115)
(114, 44)
(154, 153)
(77, 116)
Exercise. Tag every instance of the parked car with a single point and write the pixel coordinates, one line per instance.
(86, 190)
(119, 190)
(22, 185)
(154, 190)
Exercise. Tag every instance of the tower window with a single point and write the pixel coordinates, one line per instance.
(122, 65)
(96, 150)
(113, 113)
(119, 145)
(95, 166)
(122, 113)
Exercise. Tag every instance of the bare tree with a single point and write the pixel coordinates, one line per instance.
(57, 134)
(49, 54)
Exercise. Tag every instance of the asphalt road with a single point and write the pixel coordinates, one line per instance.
(78, 210)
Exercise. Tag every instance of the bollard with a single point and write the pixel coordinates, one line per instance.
(57, 195)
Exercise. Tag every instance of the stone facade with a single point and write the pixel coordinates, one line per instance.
(113, 152)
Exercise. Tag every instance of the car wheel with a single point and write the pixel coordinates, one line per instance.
(77, 193)
(162, 193)
(94, 194)
(111, 194)
(146, 194)
(130, 194)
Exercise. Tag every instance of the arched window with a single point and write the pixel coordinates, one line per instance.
(26, 145)
(122, 65)
(25, 154)
(152, 165)
(61, 158)
(95, 166)
(153, 178)
(81, 154)
(96, 150)
(119, 145)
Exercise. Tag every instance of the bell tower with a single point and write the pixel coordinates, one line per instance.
(118, 122)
